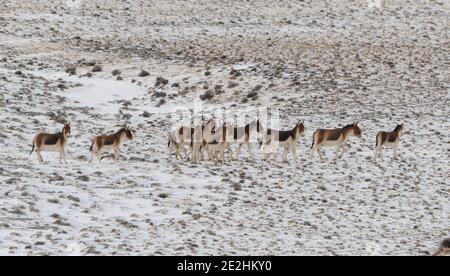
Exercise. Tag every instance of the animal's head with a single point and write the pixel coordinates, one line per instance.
(356, 130)
(301, 128)
(400, 128)
(128, 133)
(66, 130)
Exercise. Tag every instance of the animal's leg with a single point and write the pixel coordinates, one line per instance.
(116, 154)
(60, 156)
(320, 154)
(249, 145)
(222, 152)
(239, 151)
(294, 153)
(285, 153)
(170, 149)
(192, 154)
(338, 148)
(64, 155)
(38, 153)
(313, 150)
(182, 154)
(343, 150)
(92, 157)
(178, 152)
(395, 151)
(230, 151)
(377, 152)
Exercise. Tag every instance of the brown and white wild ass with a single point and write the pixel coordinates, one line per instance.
(200, 137)
(216, 144)
(245, 136)
(192, 137)
(288, 139)
(333, 138)
(388, 140)
(110, 142)
(173, 147)
(52, 142)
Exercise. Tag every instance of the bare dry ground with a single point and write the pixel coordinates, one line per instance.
(327, 63)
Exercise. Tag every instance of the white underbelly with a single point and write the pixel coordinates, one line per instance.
(50, 148)
(331, 143)
(282, 143)
(214, 148)
(108, 148)
(390, 144)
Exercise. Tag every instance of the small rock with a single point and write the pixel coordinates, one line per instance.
(83, 178)
(71, 70)
(97, 68)
(116, 72)
(90, 63)
(160, 81)
(237, 187)
(159, 94)
(207, 96)
(161, 102)
(143, 73)
(62, 86)
(252, 95)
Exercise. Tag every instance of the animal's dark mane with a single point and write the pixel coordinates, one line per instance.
(348, 126)
(397, 128)
(294, 130)
(120, 131)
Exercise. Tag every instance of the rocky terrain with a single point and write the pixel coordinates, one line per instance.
(104, 64)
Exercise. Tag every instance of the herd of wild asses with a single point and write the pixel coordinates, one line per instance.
(216, 140)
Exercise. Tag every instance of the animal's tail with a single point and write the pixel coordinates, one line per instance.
(32, 150)
(376, 142)
(314, 139)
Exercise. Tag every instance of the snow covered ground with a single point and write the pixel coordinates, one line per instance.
(327, 63)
